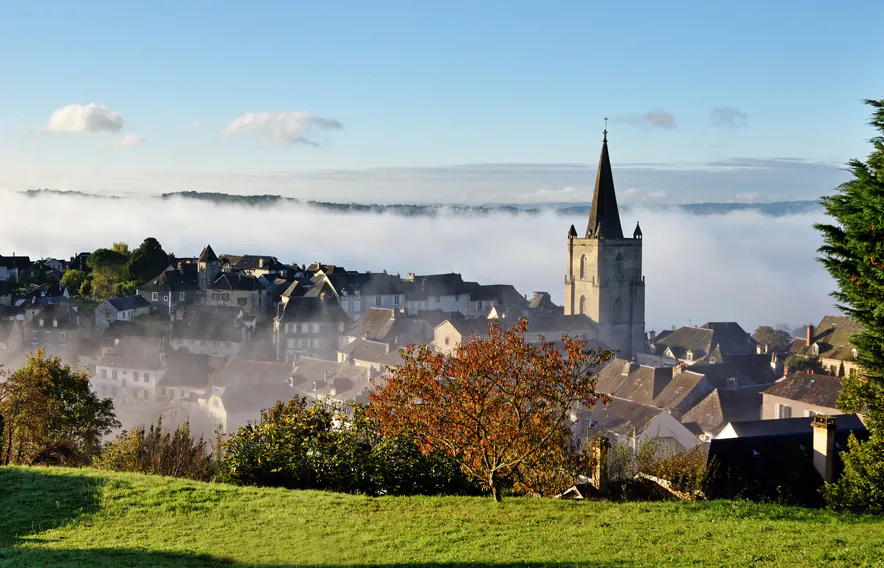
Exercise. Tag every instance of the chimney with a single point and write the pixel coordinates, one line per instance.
(260, 263)
(824, 454)
(809, 338)
(758, 350)
(599, 446)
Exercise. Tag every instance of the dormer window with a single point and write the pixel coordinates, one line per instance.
(689, 356)
(815, 349)
(41, 322)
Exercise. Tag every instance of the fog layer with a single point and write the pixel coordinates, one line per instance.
(742, 266)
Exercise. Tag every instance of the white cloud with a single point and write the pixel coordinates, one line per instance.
(659, 194)
(88, 119)
(129, 141)
(284, 127)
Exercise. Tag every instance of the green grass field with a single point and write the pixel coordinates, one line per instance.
(68, 517)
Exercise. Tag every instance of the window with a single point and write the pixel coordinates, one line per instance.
(114, 375)
(217, 344)
(165, 297)
(204, 342)
(447, 340)
(291, 343)
(809, 413)
(378, 301)
(35, 335)
(315, 328)
(135, 376)
(582, 305)
(305, 328)
(397, 300)
(583, 268)
(315, 343)
(242, 301)
(181, 296)
(62, 336)
(480, 304)
(816, 349)
(712, 359)
(216, 296)
(690, 356)
(47, 335)
(107, 315)
(104, 373)
(155, 296)
(146, 377)
(345, 304)
(225, 297)
(783, 411)
(300, 342)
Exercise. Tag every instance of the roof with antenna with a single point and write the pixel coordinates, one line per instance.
(604, 217)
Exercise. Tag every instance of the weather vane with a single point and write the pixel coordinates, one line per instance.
(606, 129)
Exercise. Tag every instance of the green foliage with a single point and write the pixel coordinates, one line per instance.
(145, 262)
(107, 266)
(159, 451)
(861, 486)
(774, 339)
(686, 471)
(327, 446)
(853, 253)
(51, 414)
(86, 288)
(73, 279)
(804, 363)
(128, 288)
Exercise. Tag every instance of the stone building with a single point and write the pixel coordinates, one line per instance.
(604, 279)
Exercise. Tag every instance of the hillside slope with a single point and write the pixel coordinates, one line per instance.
(67, 517)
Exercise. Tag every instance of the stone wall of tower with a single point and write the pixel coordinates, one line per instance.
(605, 282)
(207, 272)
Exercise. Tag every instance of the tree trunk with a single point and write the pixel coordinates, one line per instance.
(495, 490)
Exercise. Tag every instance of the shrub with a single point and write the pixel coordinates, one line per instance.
(861, 486)
(161, 452)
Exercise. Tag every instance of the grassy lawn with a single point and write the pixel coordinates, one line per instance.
(67, 517)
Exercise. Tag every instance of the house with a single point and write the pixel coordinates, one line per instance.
(54, 328)
(801, 394)
(446, 292)
(55, 264)
(318, 379)
(243, 389)
(217, 334)
(504, 297)
(628, 380)
(17, 268)
(785, 461)
(357, 292)
(170, 289)
(308, 325)
(125, 309)
(131, 370)
(450, 333)
(78, 262)
(261, 265)
(712, 342)
(388, 325)
(240, 290)
(723, 406)
(376, 355)
(12, 338)
(831, 342)
(632, 424)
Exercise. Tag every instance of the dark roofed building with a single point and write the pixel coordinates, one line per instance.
(713, 342)
(801, 394)
(831, 341)
(121, 309)
(172, 288)
(242, 389)
(308, 326)
(723, 406)
(631, 424)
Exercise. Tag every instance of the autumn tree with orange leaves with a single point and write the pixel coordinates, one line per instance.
(498, 405)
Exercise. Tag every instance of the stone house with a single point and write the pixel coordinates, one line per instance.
(171, 289)
(446, 292)
(310, 326)
(236, 289)
(450, 333)
(631, 424)
(131, 370)
(125, 309)
(723, 406)
(801, 395)
(712, 342)
(318, 379)
(56, 328)
(831, 342)
(376, 355)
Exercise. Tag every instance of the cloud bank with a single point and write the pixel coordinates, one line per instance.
(283, 127)
(657, 118)
(84, 119)
(741, 266)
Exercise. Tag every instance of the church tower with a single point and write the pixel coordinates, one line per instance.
(604, 279)
(208, 267)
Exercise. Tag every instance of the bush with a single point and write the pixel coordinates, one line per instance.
(861, 487)
(160, 452)
(332, 447)
(685, 471)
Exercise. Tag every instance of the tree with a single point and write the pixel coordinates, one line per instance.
(51, 415)
(498, 405)
(73, 279)
(145, 262)
(774, 339)
(803, 363)
(107, 266)
(853, 253)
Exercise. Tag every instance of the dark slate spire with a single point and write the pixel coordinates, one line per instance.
(604, 218)
(208, 255)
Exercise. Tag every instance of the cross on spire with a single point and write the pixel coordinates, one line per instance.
(605, 132)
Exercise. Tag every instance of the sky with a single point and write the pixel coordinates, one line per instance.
(455, 101)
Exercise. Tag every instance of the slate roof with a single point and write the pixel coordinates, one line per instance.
(725, 405)
(309, 309)
(207, 326)
(172, 280)
(252, 262)
(604, 216)
(208, 255)
(252, 386)
(135, 353)
(833, 337)
(815, 389)
(366, 283)
(65, 314)
(317, 377)
(728, 337)
(622, 417)
(425, 286)
(679, 393)
(128, 303)
(373, 352)
(15, 262)
(237, 281)
(641, 383)
(747, 369)
(772, 460)
(572, 323)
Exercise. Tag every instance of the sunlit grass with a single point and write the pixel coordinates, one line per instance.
(68, 517)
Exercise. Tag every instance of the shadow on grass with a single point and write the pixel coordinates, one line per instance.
(32, 501)
(32, 557)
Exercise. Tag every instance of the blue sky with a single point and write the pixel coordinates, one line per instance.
(404, 90)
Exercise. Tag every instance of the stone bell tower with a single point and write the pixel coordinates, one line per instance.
(604, 279)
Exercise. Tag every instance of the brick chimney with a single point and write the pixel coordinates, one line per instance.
(824, 454)
(809, 338)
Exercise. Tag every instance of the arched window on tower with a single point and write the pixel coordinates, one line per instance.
(583, 305)
(583, 268)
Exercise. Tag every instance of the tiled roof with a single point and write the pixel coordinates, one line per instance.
(833, 338)
(309, 309)
(815, 389)
(174, 280)
(724, 405)
(128, 303)
(135, 353)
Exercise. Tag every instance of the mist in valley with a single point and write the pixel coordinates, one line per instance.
(742, 266)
